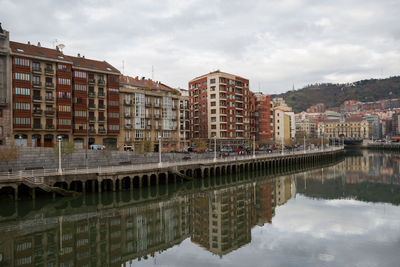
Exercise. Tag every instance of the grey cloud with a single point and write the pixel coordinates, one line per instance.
(273, 43)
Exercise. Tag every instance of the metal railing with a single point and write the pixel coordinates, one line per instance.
(19, 175)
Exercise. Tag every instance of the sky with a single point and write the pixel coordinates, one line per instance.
(306, 232)
(276, 44)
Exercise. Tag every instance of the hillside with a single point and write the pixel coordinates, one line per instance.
(333, 95)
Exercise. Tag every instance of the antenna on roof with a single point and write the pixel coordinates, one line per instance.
(152, 72)
(61, 47)
(123, 67)
(55, 41)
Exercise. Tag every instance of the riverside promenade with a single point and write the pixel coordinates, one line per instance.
(24, 184)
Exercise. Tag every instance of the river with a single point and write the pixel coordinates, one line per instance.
(342, 214)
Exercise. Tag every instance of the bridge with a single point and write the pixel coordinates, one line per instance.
(117, 178)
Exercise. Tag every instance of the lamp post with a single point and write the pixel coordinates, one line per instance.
(215, 148)
(322, 142)
(282, 145)
(59, 139)
(304, 144)
(159, 150)
(254, 146)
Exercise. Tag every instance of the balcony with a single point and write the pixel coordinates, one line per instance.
(101, 94)
(156, 105)
(102, 131)
(128, 126)
(37, 70)
(92, 118)
(148, 105)
(102, 119)
(148, 127)
(50, 127)
(37, 126)
(127, 103)
(49, 99)
(37, 112)
(91, 94)
(91, 81)
(49, 112)
(101, 106)
(92, 131)
(101, 82)
(37, 98)
(49, 71)
(156, 117)
(36, 83)
(49, 85)
(92, 106)
(128, 115)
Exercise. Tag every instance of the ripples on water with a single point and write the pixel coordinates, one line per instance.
(342, 215)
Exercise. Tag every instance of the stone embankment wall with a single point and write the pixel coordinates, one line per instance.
(47, 158)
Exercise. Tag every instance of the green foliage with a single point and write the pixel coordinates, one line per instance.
(333, 95)
(200, 144)
(67, 148)
(9, 153)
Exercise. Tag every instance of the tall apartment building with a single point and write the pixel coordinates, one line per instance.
(184, 122)
(264, 126)
(220, 108)
(150, 109)
(53, 94)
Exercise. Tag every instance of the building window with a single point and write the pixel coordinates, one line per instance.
(212, 80)
(22, 76)
(21, 62)
(80, 74)
(62, 81)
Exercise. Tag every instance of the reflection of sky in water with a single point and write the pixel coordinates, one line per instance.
(307, 232)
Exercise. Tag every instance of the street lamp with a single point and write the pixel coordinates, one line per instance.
(159, 150)
(304, 144)
(215, 148)
(282, 145)
(254, 146)
(59, 139)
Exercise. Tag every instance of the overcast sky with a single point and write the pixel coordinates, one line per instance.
(274, 43)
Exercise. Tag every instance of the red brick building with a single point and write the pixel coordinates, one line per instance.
(263, 118)
(220, 108)
(53, 94)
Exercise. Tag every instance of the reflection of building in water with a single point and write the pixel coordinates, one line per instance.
(265, 202)
(222, 220)
(104, 238)
(283, 189)
(97, 235)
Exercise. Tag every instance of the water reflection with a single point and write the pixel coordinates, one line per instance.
(114, 229)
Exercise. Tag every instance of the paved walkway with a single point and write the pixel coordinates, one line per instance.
(20, 175)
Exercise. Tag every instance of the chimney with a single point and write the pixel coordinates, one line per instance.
(79, 55)
(83, 56)
(38, 44)
(29, 42)
(1, 29)
(143, 78)
(58, 50)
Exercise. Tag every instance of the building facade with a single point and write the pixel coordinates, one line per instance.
(149, 110)
(264, 126)
(5, 80)
(59, 95)
(356, 128)
(220, 108)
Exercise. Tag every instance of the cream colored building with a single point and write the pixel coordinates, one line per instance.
(284, 124)
(349, 128)
(149, 110)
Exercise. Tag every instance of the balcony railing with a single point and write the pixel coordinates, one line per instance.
(101, 94)
(92, 106)
(148, 104)
(92, 118)
(102, 131)
(49, 99)
(101, 106)
(101, 82)
(49, 85)
(49, 70)
(37, 112)
(38, 70)
(37, 98)
(92, 94)
(49, 112)
(37, 126)
(36, 83)
(91, 81)
(92, 131)
(49, 127)
(102, 119)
